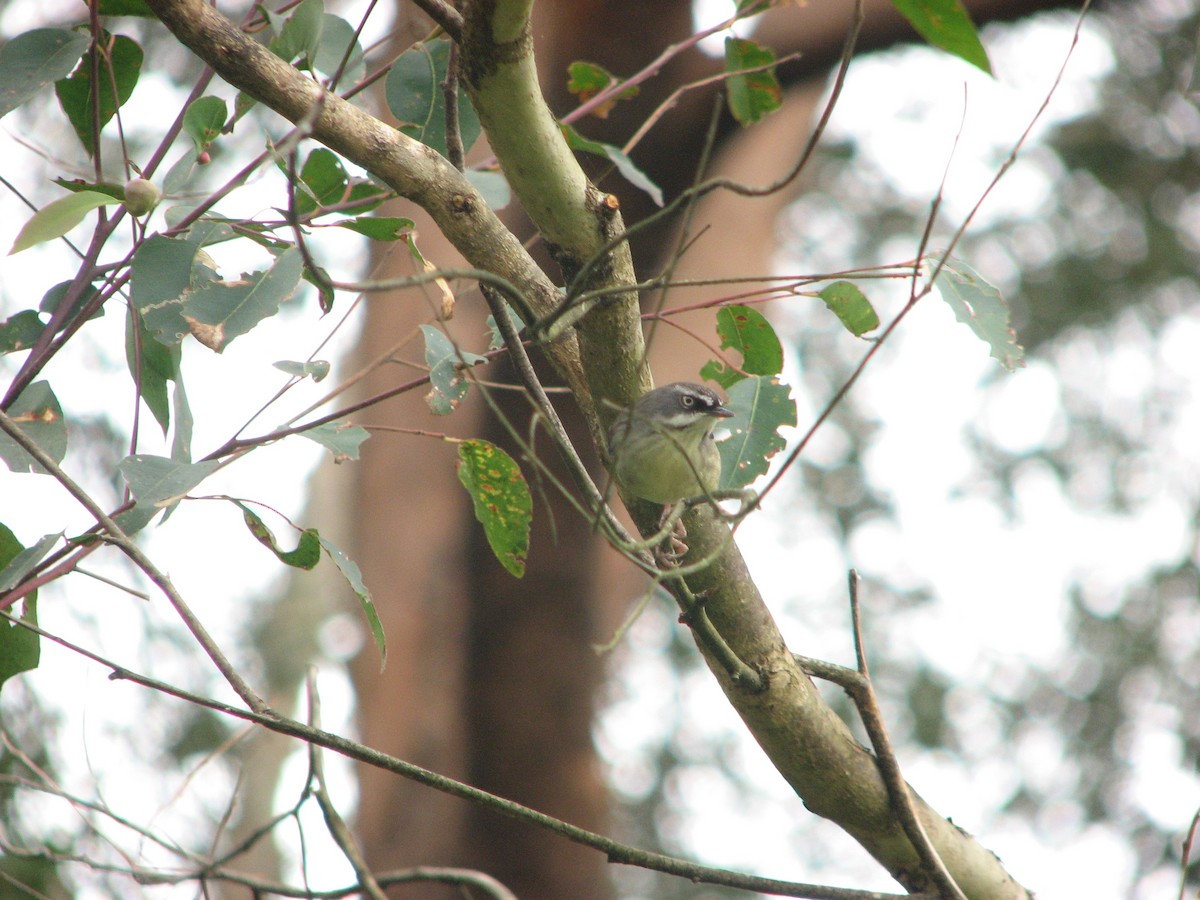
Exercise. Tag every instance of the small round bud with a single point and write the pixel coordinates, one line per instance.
(141, 196)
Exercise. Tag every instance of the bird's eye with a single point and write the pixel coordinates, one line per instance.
(688, 401)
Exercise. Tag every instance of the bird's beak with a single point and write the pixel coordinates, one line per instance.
(721, 412)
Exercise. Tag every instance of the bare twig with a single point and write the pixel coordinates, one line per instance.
(858, 686)
(118, 536)
(614, 850)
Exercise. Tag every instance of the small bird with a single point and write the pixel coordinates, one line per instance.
(662, 445)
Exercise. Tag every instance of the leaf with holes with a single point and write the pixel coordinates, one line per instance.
(448, 387)
(756, 94)
(979, 306)
(745, 330)
(761, 407)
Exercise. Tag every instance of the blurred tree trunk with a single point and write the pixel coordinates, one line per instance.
(492, 679)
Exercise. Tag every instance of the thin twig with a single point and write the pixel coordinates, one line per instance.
(614, 850)
(858, 686)
(333, 821)
(118, 536)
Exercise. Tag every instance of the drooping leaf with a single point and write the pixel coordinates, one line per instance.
(20, 648)
(415, 97)
(203, 121)
(37, 413)
(58, 217)
(744, 329)
(151, 364)
(181, 443)
(119, 67)
(851, 306)
(947, 26)
(20, 330)
(308, 549)
(502, 501)
(341, 438)
(979, 306)
(353, 575)
(618, 158)
(761, 407)
(446, 362)
(158, 483)
(34, 60)
(752, 95)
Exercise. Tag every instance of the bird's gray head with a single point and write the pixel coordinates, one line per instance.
(681, 406)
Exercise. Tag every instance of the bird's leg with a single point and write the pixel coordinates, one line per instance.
(673, 547)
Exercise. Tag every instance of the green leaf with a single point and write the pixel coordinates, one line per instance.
(125, 8)
(624, 164)
(24, 562)
(496, 338)
(308, 550)
(415, 97)
(300, 34)
(220, 311)
(37, 413)
(336, 35)
(158, 483)
(979, 306)
(35, 59)
(947, 26)
(104, 187)
(446, 363)
(586, 80)
(119, 68)
(378, 228)
(20, 648)
(55, 295)
(752, 95)
(341, 438)
(761, 406)
(322, 182)
(181, 445)
(353, 575)
(492, 185)
(851, 306)
(156, 365)
(204, 120)
(58, 217)
(503, 504)
(177, 293)
(317, 369)
(20, 330)
(744, 329)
